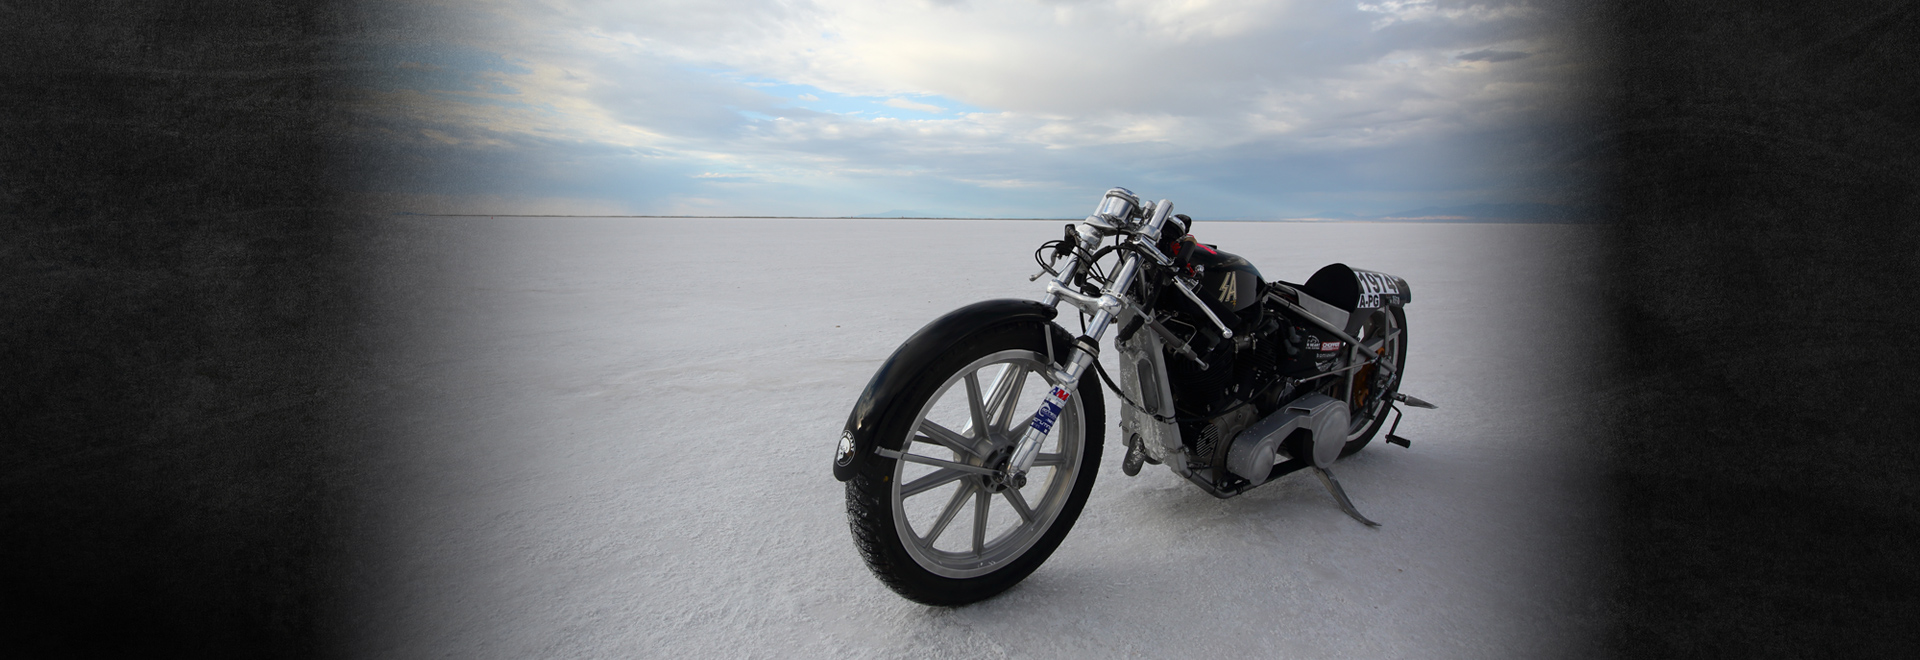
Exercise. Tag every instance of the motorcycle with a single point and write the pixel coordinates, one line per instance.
(1227, 379)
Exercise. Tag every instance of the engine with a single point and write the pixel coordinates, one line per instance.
(1248, 376)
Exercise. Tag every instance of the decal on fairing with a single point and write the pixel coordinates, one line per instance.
(1329, 346)
(1229, 294)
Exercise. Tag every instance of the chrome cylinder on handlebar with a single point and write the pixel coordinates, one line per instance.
(1118, 206)
(1161, 211)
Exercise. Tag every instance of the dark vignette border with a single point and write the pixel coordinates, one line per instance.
(180, 350)
(1761, 172)
(187, 354)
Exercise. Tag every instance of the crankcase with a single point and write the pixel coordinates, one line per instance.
(1254, 450)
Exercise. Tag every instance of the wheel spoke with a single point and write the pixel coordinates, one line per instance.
(931, 481)
(950, 472)
(946, 515)
(1022, 427)
(980, 503)
(929, 460)
(932, 433)
(976, 408)
(1006, 395)
(1019, 503)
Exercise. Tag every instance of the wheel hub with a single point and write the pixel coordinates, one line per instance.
(1000, 481)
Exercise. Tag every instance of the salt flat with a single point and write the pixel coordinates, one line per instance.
(611, 438)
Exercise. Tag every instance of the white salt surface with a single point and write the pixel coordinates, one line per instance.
(614, 439)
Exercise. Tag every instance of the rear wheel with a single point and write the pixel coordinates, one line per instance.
(1374, 385)
(930, 523)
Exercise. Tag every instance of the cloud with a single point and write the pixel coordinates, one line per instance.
(1020, 105)
(1492, 56)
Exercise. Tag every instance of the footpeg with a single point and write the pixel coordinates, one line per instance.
(1395, 439)
(1136, 456)
(1413, 401)
(1340, 495)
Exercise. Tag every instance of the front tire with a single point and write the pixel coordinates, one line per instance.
(969, 406)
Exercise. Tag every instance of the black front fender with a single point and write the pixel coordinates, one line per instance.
(906, 363)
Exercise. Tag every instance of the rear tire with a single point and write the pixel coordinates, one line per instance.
(906, 515)
(1371, 413)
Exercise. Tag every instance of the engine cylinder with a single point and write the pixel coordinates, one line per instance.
(1196, 390)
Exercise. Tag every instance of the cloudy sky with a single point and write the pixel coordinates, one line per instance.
(997, 108)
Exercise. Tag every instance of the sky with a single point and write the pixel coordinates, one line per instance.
(1234, 109)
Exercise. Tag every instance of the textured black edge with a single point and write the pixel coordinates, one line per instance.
(1761, 172)
(178, 331)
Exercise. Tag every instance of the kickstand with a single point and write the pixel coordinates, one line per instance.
(1340, 495)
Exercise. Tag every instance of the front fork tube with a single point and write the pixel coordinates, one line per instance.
(1085, 351)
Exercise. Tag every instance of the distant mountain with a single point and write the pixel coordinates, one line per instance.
(1339, 215)
(1551, 213)
(903, 214)
(1491, 213)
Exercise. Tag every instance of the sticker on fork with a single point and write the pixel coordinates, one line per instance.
(1050, 410)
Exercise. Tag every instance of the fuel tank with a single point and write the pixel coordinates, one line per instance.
(1229, 283)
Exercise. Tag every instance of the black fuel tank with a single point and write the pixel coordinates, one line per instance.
(1226, 279)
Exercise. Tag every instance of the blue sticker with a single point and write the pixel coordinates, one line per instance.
(1049, 411)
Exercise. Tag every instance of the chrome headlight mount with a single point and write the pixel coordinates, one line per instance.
(1119, 210)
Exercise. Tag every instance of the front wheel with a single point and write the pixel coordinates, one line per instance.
(942, 534)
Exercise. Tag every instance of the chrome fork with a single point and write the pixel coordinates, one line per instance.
(1107, 221)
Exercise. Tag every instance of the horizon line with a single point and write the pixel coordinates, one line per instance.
(1309, 220)
(766, 217)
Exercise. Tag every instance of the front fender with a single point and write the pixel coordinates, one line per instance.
(907, 362)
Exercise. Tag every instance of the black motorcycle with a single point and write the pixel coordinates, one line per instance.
(1229, 380)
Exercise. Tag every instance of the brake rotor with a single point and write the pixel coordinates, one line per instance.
(1363, 382)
